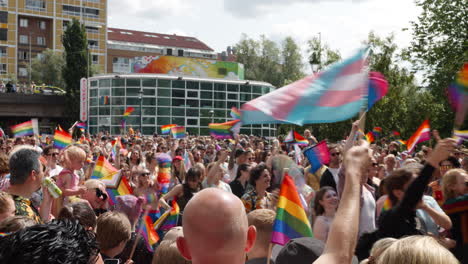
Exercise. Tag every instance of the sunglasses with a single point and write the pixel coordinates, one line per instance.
(145, 174)
(375, 164)
(52, 154)
(335, 154)
(100, 194)
(446, 167)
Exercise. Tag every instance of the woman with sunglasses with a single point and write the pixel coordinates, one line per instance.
(435, 187)
(145, 185)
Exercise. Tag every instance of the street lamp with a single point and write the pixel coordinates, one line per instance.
(140, 96)
(316, 57)
(212, 115)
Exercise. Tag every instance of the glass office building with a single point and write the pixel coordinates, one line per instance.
(163, 99)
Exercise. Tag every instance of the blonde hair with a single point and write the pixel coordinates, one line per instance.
(73, 153)
(263, 220)
(378, 248)
(448, 180)
(167, 252)
(417, 250)
(93, 184)
(4, 198)
(112, 229)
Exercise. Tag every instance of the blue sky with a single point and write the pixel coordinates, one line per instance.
(343, 24)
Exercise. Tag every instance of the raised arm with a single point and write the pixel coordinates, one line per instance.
(342, 237)
(232, 157)
(351, 138)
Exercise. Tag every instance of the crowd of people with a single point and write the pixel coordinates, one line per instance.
(370, 204)
(15, 87)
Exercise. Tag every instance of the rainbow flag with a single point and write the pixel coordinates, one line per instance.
(2, 234)
(62, 139)
(114, 151)
(164, 172)
(401, 142)
(458, 89)
(167, 128)
(422, 134)
(333, 95)
(104, 100)
(456, 205)
(147, 231)
(222, 130)
(235, 113)
(124, 188)
(378, 88)
(291, 220)
(173, 217)
(128, 111)
(105, 172)
(387, 205)
(295, 138)
(377, 131)
(23, 129)
(178, 132)
(370, 137)
(317, 156)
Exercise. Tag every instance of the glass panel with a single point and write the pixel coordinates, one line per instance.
(178, 120)
(164, 111)
(104, 110)
(133, 91)
(149, 101)
(164, 102)
(193, 85)
(104, 92)
(93, 121)
(205, 113)
(265, 89)
(220, 96)
(93, 101)
(191, 112)
(255, 96)
(192, 103)
(178, 102)
(178, 93)
(94, 83)
(104, 83)
(257, 89)
(257, 132)
(118, 100)
(149, 82)
(192, 130)
(178, 111)
(163, 121)
(115, 130)
(133, 82)
(151, 92)
(266, 133)
(221, 87)
(118, 92)
(149, 111)
(219, 104)
(93, 92)
(206, 95)
(246, 88)
(148, 120)
(93, 130)
(204, 131)
(219, 113)
(192, 122)
(231, 104)
(246, 131)
(233, 87)
(148, 130)
(132, 101)
(164, 92)
(206, 104)
(178, 84)
(231, 96)
(204, 121)
(116, 120)
(93, 111)
(118, 82)
(164, 83)
(133, 120)
(192, 94)
(219, 120)
(104, 121)
(206, 86)
(118, 110)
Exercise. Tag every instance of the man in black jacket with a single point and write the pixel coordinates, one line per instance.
(330, 176)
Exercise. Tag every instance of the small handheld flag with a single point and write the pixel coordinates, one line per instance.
(178, 132)
(317, 156)
(295, 138)
(128, 111)
(370, 137)
(147, 231)
(378, 88)
(422, 134)
(173, 217)
(81, 125)
(23, 129)
(105, 172)
(291, 220)
(235, 113)
(222, 130)
(377, 131)
(62, 139)
(123, 188)
(167, 128)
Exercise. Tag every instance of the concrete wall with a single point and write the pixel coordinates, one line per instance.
(33, 105)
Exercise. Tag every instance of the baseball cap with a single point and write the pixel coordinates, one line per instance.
(177, 158)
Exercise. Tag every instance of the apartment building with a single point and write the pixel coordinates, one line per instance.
(28, 27)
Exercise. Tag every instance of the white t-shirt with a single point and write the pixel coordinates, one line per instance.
(56, 171)
(334, 172)
(367, 214)
(233, 172)
(221, 185)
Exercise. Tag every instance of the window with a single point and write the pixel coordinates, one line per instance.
(169, 52)
(42, 25)
(3, 68)
(40, 56)
(23, 72)
(23, 55)
(77, 11)
(41, 41)
(3, 52)
(35, 4)
(126, 33)
(3, 2)
(3, 34)
(93, 44)
(90, 29)
(23, 39)
(95, 59)
(3, 16)
(121, 65)
(180, 53)
(23, 22)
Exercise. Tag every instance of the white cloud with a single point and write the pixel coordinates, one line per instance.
(154, 9)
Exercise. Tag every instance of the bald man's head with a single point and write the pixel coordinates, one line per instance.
(215, 228)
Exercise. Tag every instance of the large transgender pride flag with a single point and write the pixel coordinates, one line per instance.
(336, 94)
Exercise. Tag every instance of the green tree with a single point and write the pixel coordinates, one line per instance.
(291, 67)
(76, 64)
(48, 68)
(321, 54)
(439, 49)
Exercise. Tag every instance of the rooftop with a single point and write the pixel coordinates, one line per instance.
(126, 35)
